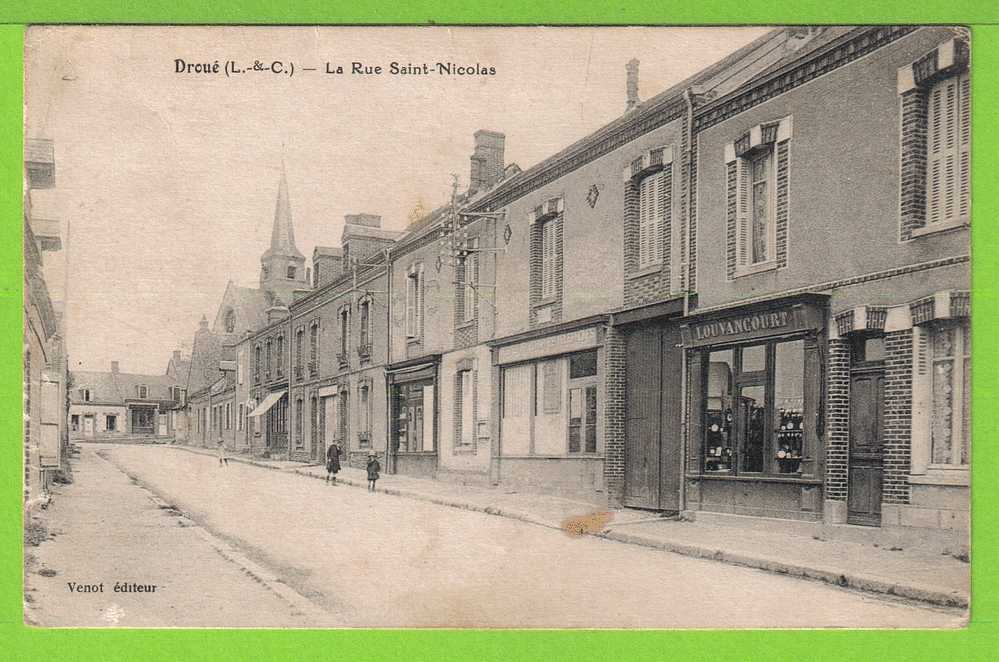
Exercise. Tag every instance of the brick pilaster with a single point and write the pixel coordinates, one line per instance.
(783, 171)
(897, 427)
(912, 191)
(837, 420)
(614, 368)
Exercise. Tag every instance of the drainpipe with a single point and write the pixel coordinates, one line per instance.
(389, 466)
(684, 427)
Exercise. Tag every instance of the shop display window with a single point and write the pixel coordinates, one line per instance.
(754, 409)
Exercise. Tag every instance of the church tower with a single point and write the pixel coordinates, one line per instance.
(282, 267)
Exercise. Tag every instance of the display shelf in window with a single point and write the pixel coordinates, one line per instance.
(789, 435)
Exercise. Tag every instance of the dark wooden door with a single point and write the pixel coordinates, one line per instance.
(866, 416)
(642, 418)
(652, 454)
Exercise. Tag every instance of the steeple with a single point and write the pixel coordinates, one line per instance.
(282, 266)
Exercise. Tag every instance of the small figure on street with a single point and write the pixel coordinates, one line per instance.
(223, 458)
(373, 468)
(333, 454)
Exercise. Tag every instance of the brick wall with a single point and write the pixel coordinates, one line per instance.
(783, 168)
(897, 416)
(837, 419)
(614, 367)
(912, 190)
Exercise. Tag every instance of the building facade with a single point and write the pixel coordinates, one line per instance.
(743, 296)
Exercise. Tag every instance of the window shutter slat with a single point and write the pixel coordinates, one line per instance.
(742, 221)
(965, 148)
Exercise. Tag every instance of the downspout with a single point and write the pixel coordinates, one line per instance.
(389, 465)
(684, 428)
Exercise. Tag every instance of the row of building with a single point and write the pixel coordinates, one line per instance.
(46, 368)
(747, 295)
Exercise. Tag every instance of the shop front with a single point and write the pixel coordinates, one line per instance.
(551, 411)
(273, 409)
(755, 390)
(412, 395)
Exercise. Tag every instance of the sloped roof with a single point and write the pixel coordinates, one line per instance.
(250, 305)
(103, 389)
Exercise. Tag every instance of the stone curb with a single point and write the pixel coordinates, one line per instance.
(868, 584)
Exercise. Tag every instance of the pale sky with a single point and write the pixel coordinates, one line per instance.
(169, 181)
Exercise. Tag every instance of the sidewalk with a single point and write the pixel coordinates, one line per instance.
(908, 573)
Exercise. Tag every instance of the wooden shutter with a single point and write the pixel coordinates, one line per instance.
(410, 306)
(743, 216)
(548, 259)
(964, 149)
(664, 197)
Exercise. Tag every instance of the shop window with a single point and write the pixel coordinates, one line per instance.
(413, 406)
(950, 352)
(753, 409)
(111, 423)
(562, 416)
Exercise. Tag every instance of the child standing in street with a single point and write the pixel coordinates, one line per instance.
(373, 468)
(223, 458)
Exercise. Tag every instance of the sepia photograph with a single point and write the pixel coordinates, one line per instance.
(497, 327)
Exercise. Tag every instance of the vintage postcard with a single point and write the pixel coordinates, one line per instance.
(497, 327)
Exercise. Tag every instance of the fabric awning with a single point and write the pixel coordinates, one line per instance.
(267, 403)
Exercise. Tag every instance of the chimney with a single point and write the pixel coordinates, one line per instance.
(114, 367)
(632, 86)
(275, 313)
(327, 264)
(486, 161)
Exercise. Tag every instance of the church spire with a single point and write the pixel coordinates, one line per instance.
(283, 232)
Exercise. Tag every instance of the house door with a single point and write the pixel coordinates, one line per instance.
(866, 414)
(652, 453)
(88, 426)
(162, 425)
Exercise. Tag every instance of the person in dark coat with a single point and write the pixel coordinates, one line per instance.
(333, 454)
(373, 468)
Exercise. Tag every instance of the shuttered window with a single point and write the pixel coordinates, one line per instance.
(414, 302)
(548, 259)
(948, 150)
(755, 212)
(471, 281)
(654, 201)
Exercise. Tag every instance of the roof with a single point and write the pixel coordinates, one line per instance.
(353, 230)
(114, 388)
(249, 304)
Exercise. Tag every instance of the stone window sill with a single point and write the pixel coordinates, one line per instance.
(467, 324)
(645, 271)
(541, 303)
(757, 268)
(939, 227)
(956, 477)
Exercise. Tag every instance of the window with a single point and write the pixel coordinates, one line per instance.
(561, 416)
(364, 348)
(141, 392)
(279, 355)
(230, 320)
(758, 165)
(269, 360)
(750, 391)
(344, 333)
(465, 434)
(653, 213)
(314, 420)
(256, 364)
(299, 350)
(85, 394)
(342, 413)
(468, 281)
(549, 259)
(948, 139)
(228, 416)
(291, 273)
(364, 415)
(314, 348)
(239, 421)
(111, 423)
(414, 301)
(299, 406)
(950, 352)
(74, 422)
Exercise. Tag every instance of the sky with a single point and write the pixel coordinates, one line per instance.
(166, 183)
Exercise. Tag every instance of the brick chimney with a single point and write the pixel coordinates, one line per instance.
(114, 367)
(363, 238)
(632, 85)
(487, 160)
(327, 264)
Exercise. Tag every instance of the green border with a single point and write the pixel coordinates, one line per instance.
(20, 642)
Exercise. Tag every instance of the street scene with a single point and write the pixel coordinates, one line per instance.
(391, 327)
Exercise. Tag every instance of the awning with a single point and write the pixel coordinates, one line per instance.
(267, 403)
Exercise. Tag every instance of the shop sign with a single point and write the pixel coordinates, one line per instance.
(562, 343)
(746, 326)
